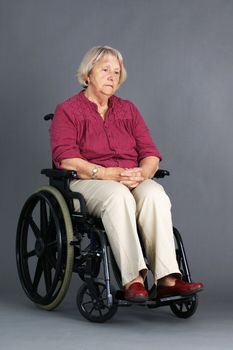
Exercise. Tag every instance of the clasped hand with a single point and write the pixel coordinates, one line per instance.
(131, 177)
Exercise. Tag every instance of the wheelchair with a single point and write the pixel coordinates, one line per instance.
(53, 241)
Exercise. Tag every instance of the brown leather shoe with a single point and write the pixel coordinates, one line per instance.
(136, 293)
(180, 288)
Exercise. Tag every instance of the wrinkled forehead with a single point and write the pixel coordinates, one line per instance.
(108, 59)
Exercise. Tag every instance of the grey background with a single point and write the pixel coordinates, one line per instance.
(179, 58)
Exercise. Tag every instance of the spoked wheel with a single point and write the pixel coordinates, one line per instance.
(95, 310)
(43, 251)
(185, 308)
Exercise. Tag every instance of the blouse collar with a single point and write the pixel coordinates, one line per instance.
(93, 105)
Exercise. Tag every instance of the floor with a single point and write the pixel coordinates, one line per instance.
(23, 326)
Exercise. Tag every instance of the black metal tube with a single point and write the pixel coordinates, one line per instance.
(103, 241)
(180, 245)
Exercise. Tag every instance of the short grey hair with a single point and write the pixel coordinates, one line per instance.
(92, 57)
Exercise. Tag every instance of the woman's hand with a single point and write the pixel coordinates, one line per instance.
(132, 177)
(111, 173)
(128, 177)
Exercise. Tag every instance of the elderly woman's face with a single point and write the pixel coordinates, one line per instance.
(105, 75)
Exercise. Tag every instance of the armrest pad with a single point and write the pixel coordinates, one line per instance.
(60, 173)
(161, 173)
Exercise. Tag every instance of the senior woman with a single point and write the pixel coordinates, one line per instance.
(105, 139)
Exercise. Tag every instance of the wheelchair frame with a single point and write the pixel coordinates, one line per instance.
(49, 247)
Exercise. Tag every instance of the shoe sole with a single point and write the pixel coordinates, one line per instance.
(194, 291)
(137, 299)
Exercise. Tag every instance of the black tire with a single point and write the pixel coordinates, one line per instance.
(95, 310)
(43, 251)
(185, 308)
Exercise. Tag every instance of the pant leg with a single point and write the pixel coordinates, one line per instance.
(155, 226)
(115, 205)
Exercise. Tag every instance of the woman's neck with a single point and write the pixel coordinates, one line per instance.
(99, 99)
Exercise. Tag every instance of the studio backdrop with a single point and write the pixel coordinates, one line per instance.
(178, 55)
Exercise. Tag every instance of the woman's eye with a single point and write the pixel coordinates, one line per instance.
(117, 73)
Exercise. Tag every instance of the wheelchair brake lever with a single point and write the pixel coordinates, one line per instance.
(161, 173)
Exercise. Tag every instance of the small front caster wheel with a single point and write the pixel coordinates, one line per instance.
(185, 308)
(95, 309)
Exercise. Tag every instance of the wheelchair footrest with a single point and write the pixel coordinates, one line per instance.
(151, 303)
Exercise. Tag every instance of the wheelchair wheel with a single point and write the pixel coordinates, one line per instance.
(185, 308)
(43, 251)
(95, 310)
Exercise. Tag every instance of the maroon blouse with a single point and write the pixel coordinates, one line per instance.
(121, 140)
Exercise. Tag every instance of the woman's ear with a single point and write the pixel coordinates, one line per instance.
(87, 80)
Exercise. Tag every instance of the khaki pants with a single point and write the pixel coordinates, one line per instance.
(121, 211)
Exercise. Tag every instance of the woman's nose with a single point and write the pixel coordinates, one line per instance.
(110, 77)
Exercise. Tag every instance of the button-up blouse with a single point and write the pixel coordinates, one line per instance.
(122, 139)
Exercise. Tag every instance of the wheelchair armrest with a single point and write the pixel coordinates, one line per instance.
(49, 116)
(160, 173)
(60, 173)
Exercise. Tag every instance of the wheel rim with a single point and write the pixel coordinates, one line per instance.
(185, 308)
(95, 310)
(40, 252)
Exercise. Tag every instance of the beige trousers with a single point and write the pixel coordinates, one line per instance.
(122, 211)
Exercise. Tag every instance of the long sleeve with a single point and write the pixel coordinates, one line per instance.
(63, 137)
